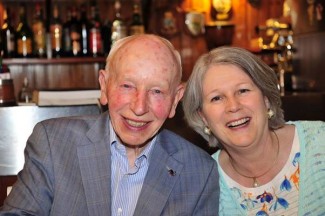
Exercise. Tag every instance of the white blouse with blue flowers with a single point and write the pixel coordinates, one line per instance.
(278, 197)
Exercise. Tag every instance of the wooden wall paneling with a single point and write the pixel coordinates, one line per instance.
(309, 58)
(56, 76)
(239, 18)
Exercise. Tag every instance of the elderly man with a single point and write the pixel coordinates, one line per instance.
(120, 163)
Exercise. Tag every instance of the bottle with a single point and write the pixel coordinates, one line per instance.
(56, 31)
(106, 35)
(84, 30)
(7, 92)
(4, 70)
(137, 26)
(95, 37)
(39, 32)
(24, 35)
(119, 29)
(26, 93)
(67, 48)
(75, 33)
(8, 36)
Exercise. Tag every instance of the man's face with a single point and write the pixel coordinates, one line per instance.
(141, 92)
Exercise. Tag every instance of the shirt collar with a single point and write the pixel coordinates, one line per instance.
(115, 142)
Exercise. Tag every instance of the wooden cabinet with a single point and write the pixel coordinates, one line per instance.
(62, 73)
(83, 72)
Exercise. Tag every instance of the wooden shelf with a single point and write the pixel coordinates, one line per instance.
(45, 61)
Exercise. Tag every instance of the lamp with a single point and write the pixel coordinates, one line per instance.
(222, 8)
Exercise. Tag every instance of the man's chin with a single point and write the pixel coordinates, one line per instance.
(138, 143)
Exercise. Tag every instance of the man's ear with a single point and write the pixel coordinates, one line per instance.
(179, 95)
(103, 81)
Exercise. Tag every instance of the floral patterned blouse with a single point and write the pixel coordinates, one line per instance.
(279, 196)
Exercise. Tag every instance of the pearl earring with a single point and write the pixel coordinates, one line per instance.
(207, 130)
(270, 114)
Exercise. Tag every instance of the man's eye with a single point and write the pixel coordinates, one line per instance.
(156, 91)
(126, 86)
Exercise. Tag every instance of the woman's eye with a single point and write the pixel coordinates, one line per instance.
(243, 90)
(216, 98)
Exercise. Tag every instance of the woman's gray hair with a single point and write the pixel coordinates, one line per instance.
(111, 60)
(262, 75)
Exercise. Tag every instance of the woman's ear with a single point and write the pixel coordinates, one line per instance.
(202, 117)
(267, 102)
(103, 82)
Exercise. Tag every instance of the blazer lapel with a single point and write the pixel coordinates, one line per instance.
(94, 159)
(162, 174)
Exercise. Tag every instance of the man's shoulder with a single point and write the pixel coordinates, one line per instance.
(70, 120)
(180, 146)
(73, 124)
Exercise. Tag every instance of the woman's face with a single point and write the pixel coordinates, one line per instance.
(233, 106)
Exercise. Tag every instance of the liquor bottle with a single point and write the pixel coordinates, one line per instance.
(67, 48)
(137, 26)
(39, 32)
(24, 35)
(56, 31)
(8, 36)
(95, 37)
(119, 29)
(7, 92)
(84, 30)
(75, 33)
(106, 35)
(4, 70)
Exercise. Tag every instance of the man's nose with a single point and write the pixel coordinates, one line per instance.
(140, 103)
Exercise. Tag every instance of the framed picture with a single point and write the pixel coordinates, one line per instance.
(307, 15)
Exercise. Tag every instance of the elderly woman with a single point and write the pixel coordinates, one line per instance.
(267, 166)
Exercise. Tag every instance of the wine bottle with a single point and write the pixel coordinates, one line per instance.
(106, 35)
(39, 32)
(24, 35)
(119, 29)
(7, 36)
(95, 37)
(56, 31)
(84, 30)
(137, 26)
(67, 48)
(75, 33)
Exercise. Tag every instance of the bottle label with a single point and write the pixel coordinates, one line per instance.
(39, 37)
(118, 32)
(95, 41)
(136, 29)
(5, 76)
(10, 42)
(67, 41)
(76, 46)
(24, 46)
(56, 37)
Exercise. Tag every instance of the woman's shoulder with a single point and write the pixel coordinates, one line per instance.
(309, 128)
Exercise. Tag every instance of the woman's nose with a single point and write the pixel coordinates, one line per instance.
(233, 104)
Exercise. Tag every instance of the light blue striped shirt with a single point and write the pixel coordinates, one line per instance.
(126, 181)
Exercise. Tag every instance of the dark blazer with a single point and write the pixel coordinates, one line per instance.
(67, 172)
